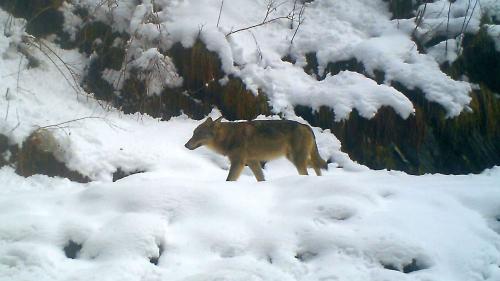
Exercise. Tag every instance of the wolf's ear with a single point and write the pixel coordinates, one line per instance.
(209, 120)
(218, 120)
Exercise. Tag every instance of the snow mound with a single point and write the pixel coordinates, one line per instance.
(344, 226)
(415, 71)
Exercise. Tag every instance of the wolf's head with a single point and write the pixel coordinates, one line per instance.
(203, 134)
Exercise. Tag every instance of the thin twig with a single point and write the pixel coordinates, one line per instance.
(472, 13)
(48, 52)
(259, 51)
(301, 20)
(220, 12)
(70, 121)
(18, 73)
(271, 7)
(447, 25)
(293, 13)
(256, 25)
(18, 123)
(419, 18)
(7, 29)
(465, 17)
(8, 103)
(75, 88)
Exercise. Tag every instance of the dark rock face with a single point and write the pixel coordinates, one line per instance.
(424, 143)
(42, 15)
(427, 142)
(37, 156)
(7, 152)
(200, 92)
(480, 60)
(402, 9)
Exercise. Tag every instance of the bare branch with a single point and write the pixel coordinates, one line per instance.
(18, 123)
(8, 103)
(69, 121)
(293, 13)
(18, 73)
(271, 7)
(259, 24)
(472, 13)
(465, 17)
(259, 51)
(447, 26)
(419, 18)
(220, 12)
(301, 20)
(49, 53)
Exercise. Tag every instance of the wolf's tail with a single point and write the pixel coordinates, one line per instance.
(316, 158)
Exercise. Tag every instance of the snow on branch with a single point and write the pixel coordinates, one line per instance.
(144, 55)
(156, 70)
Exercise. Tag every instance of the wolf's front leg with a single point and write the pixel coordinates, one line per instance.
(237, 166)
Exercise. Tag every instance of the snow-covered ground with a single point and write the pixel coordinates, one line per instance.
(342, 226)
(350, 224)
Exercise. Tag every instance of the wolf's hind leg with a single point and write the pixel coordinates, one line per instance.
(257, 170)
(301, 165)
(316, 168)
(302, 169)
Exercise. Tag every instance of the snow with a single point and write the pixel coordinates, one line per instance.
(342, 226)
(157, 70)
(346, 29)
(345, 225)
(446, 51)
(494, 32)
(463, 17)
(358, 92)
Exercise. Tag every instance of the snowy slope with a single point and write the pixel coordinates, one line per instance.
(350, 224)
(334, 30)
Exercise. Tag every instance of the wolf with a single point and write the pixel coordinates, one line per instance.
(252, 142)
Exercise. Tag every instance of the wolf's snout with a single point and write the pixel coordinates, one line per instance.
(191, 145)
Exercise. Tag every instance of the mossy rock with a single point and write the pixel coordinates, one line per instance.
(170, 103)
(38, 156)
(99, 39)
(201, 70)
(426, 142)
(201, 90)
(479, 60)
